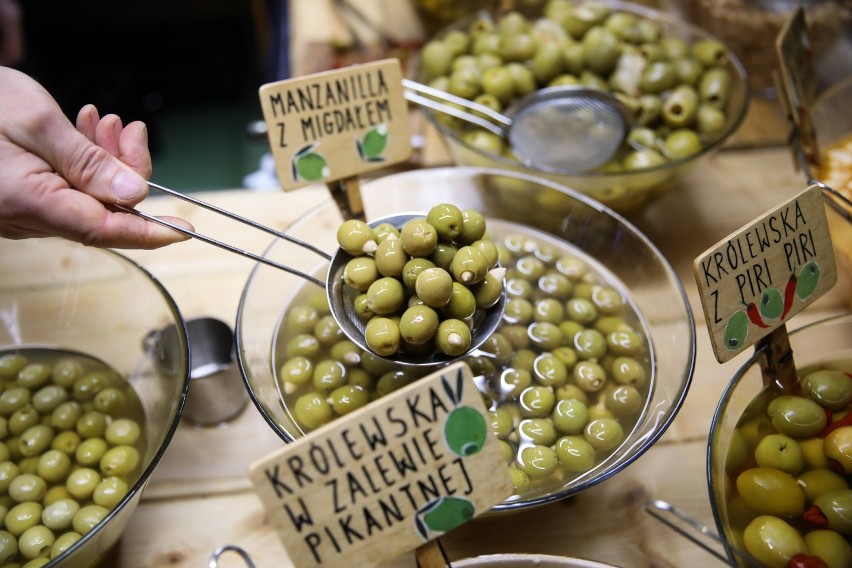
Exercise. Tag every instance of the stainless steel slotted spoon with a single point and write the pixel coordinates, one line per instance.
(341, 299)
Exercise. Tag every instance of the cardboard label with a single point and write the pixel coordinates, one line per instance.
(386, 478)
(337, 124)
(756, 279)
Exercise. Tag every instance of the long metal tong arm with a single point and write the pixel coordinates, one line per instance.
(239, 219)
(441, 101)
(226, 246)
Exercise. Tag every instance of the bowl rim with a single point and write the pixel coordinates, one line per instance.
(140, 484)
(712, 484)
(639, 449)
(651, 13)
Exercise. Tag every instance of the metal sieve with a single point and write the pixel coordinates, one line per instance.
(341, 299)
(565, 129)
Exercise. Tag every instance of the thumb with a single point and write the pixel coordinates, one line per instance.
(91, 169)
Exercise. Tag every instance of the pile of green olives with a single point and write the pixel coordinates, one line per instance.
(789, 465)
(565, 377)
(675, 91)
(71, 433)
(420, 286)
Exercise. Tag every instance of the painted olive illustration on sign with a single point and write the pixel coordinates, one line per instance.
(808, 280)
(309, 165)
(372, 145)
(771, 304)
(736, 331)
(442, 515)
(465, 428)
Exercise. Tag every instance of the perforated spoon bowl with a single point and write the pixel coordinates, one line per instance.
(565, 129)
(341, 299)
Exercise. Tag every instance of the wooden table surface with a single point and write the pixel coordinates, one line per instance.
(200, 498)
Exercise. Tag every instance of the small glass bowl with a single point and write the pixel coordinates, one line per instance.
(625, 191)
(499, 195)
(59, 294)
(825, 340)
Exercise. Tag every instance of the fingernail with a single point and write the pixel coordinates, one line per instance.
(126, 185)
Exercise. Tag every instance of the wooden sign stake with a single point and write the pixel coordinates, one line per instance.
(346, 193)
(777, 364)
(431, 555)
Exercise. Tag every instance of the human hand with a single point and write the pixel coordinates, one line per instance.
(62, 181)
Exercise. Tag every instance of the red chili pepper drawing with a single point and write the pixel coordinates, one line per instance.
(754, 315)
(789, 294)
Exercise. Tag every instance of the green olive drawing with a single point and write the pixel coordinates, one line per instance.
(736, 331)
(443, 515)
(808, 280)
(771, 304)
(373, 144)
(309, 165)
(465, 431)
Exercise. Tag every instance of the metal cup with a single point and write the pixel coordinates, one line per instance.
(216, 390)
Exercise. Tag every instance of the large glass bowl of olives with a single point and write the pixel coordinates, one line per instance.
(780, 459)
(684, 92)
(588, 367)
(94, 370)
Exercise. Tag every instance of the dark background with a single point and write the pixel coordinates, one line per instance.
(189, 68)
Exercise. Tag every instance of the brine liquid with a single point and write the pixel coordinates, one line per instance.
(519, 357)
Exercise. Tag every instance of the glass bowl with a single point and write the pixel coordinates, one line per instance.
(526, 561)
(620, 189)
(57, 294)
(555, 213)
(832, 121)
(828, 340)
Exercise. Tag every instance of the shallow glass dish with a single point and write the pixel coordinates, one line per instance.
(61, 295)
(564, 216)
(828, 340)
(620, 189)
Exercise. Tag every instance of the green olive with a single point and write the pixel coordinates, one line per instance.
(469, 265)
(382, 336)
(86, 387)
(301, 319)
(65, 416)
(575, 453)
(815, 482)
(27, 487)
(838, 448)
(303, 345)
(53, 466)
(22, 516)
(385, 295)
(418, 324)
(391, 258)
(462, 304)
(490, 289)
(513, 382)
(356, 237)
(81, 483)
(347, 398)
(501, 421)
(771, 492)
(412, 269)
(796, 416)
(328, 375)
(47, 398)
(91, 424)
(11, 364)
(58, 515)
(435, 287)
(570, 416)
(8, 547)
(453, 337)
(36, 542)
(779, 452)
(590, 344)
(829, 546)
(537, 461)
(64, 542)
(536, 401)
(360, 272)
(772, 541)
(604, 434)
(549, 370)
(830, 388)
(88, 517)
(624, 401)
